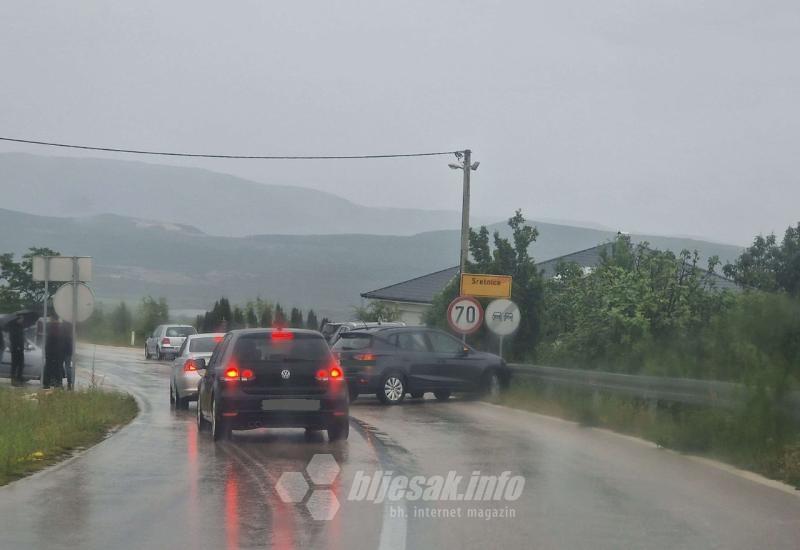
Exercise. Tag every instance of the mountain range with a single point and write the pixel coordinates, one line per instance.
(136, 257)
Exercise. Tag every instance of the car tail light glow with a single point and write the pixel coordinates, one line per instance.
(189, 366)
(334, 372)
(281, 335)
(218, 339)
(247, 374)
(165, 341)
(364, 357)
(231, 373)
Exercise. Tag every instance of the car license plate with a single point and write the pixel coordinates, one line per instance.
(290, 405)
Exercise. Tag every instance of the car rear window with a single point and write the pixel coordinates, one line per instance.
(264, 348)
(204, 345)
(352, 341)
(178, 332)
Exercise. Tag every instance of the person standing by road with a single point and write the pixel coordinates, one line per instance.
(67, 346)
(16, 340)
(53, 356)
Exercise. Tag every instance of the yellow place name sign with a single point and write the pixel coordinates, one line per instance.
(486, 286)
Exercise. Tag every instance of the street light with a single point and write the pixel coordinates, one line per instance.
(467, 166)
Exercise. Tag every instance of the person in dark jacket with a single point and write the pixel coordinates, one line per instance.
(66, 353)
(16, 341)
(53, 356)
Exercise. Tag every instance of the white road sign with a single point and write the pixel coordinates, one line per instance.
(465, 315)
(61, 268)
(502, 317)
(62, 302)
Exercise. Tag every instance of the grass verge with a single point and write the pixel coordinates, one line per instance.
(759, 437)
(40, 428)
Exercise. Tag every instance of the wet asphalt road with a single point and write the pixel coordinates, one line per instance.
(160, 484)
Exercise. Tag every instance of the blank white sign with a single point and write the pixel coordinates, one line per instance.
(61, 268)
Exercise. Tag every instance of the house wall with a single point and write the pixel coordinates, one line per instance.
(410, 314)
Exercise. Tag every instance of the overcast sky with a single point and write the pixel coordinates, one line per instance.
(660, 116)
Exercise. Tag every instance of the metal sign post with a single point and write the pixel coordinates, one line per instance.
(502, 318)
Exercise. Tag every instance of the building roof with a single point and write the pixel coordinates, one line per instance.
(422, 289)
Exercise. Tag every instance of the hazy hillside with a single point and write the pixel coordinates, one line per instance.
(134, 258)
(222, 204)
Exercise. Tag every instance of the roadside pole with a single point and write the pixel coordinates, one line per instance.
(465, 212)
(465, 220)
(44, 313)
(74, 320)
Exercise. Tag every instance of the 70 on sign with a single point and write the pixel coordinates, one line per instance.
(465, 315)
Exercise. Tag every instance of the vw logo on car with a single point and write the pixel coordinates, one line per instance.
(285, 374)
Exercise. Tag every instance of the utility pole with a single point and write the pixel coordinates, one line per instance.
(465, 213)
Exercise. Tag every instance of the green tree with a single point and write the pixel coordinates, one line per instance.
(152, 313)
(279, 317)
(266, 316)
(18, 290)
(250, 318)
(769, 266)
(376, 311)
(296, 318)
(509, 257)
(237, 318)
(121, 320)
(311, 320)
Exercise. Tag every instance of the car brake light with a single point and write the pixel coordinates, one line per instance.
(218, 339)
(364, 357)
(165, 341)
(231, 373)
(334, 372)
(189, 366)
(282, 335)
(247, 374)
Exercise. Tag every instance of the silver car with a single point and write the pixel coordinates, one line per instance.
(184, 379)
(166, 341)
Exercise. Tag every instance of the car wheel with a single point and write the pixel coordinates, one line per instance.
(171, 395)
(146, 353)
(220, 428)
(159, 355)
(442, 395)
(202, 423)
(491, 385)
(340, 430)
(393, 389)
(353, 395)
(417, 394)
(181, 403)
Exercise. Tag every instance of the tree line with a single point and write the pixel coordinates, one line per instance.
(255, 313)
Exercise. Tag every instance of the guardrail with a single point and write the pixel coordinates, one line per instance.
(651, 388)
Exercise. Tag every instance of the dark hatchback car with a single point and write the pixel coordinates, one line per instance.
(393, 362)
(272, 378)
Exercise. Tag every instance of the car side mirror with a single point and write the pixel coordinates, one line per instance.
(200, 365)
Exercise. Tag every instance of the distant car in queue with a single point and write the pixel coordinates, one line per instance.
(166, 340)
(393, 362)
(347, 326)
(278, 378)
(185, 377)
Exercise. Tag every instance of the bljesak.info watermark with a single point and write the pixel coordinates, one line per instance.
(450, 496)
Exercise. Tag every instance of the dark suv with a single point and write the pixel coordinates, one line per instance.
(392, 362)
(272, 378)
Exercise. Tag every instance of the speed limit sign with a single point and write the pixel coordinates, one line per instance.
(465, 315)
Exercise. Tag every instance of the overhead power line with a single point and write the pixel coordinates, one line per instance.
(216, 156)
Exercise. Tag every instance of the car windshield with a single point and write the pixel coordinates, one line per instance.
(177, 332)
(289, 347)
(205, 344)
(352, 341)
